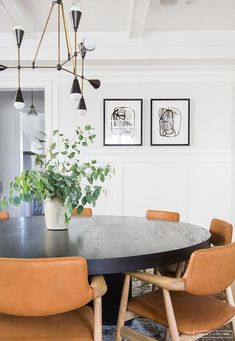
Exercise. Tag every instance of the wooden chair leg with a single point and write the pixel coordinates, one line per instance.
(167, 334)
(155, 272)
(230, 300)
(97, 304)
(123, 307)
(180, 269)
(170, 316)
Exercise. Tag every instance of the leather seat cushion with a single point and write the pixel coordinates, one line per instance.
(72, 326)
(193, 313)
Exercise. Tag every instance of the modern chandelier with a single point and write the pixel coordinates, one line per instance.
(88, 44)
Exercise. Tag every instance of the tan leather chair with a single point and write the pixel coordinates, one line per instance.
(172, 269)
(4, 215)
(45, 299)
(184, 305)
(162, 215)
(87, 212)
(221, 234)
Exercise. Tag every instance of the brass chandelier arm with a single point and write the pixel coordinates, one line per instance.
(58, 35)
(82, 75)
(75, 53)
(18, 66)
(68, 60)
(43, 33)
(66, 32)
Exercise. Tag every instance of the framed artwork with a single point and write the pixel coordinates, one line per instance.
(170, 122)
(123, 122)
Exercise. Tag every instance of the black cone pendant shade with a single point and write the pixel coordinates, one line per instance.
(75, 15)
(32, 111)
(19, 34)
(3, 67)
(82, 107)
(75, 93)
(19, 100)
(95, 83)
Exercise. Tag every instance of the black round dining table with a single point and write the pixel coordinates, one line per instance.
(111, 244)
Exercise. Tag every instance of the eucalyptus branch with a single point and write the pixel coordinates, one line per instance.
(61, 175)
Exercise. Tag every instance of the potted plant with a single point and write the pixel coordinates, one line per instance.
(61, 179)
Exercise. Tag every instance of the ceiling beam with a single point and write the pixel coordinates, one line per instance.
(138, 17)
(18, 15)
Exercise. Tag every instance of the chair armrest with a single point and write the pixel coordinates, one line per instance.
(169, 283)
(98, 285)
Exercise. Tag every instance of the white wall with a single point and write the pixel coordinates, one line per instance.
(198, 181)
(9, 142)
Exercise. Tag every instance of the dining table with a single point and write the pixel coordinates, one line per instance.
(112, 246)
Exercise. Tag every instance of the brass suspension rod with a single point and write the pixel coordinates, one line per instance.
(43, 33)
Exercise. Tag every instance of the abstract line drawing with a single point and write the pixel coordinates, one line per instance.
(123, 121)
(169, 121)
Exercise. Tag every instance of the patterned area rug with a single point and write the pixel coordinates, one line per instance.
(156, 331)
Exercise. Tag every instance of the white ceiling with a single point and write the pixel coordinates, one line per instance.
(133, 16)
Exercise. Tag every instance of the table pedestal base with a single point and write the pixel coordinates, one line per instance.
(111, 300)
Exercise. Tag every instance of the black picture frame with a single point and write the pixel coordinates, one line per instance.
(161, 107)
(132, 130)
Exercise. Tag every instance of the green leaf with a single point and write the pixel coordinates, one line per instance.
(52, 147)
(84, 144)
(90, 179)
(84, 201)
(95, 175)
(54, 155)
(80, 209)
(68, 182)
(4, 202)
(16, 201)
(89, 198)
(96, 193)
(88, 189)
(45, 180)
(107, 169)
(102, 177)
(88, 127)
(71, 155)
(55, 132)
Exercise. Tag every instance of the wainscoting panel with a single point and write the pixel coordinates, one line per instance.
(153, 186)
(211, 192)
(198, 185)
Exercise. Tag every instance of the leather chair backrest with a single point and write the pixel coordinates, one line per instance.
(4, 215)
(210, 270)
(87, 212)
(221, 232)
(42, 287)
(162, 215)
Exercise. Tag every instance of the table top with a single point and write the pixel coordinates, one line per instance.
(111, 244)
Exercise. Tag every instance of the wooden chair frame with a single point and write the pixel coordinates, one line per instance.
(167, 284)
(99, 289)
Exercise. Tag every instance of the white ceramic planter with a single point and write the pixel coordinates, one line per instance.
(54, 214)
